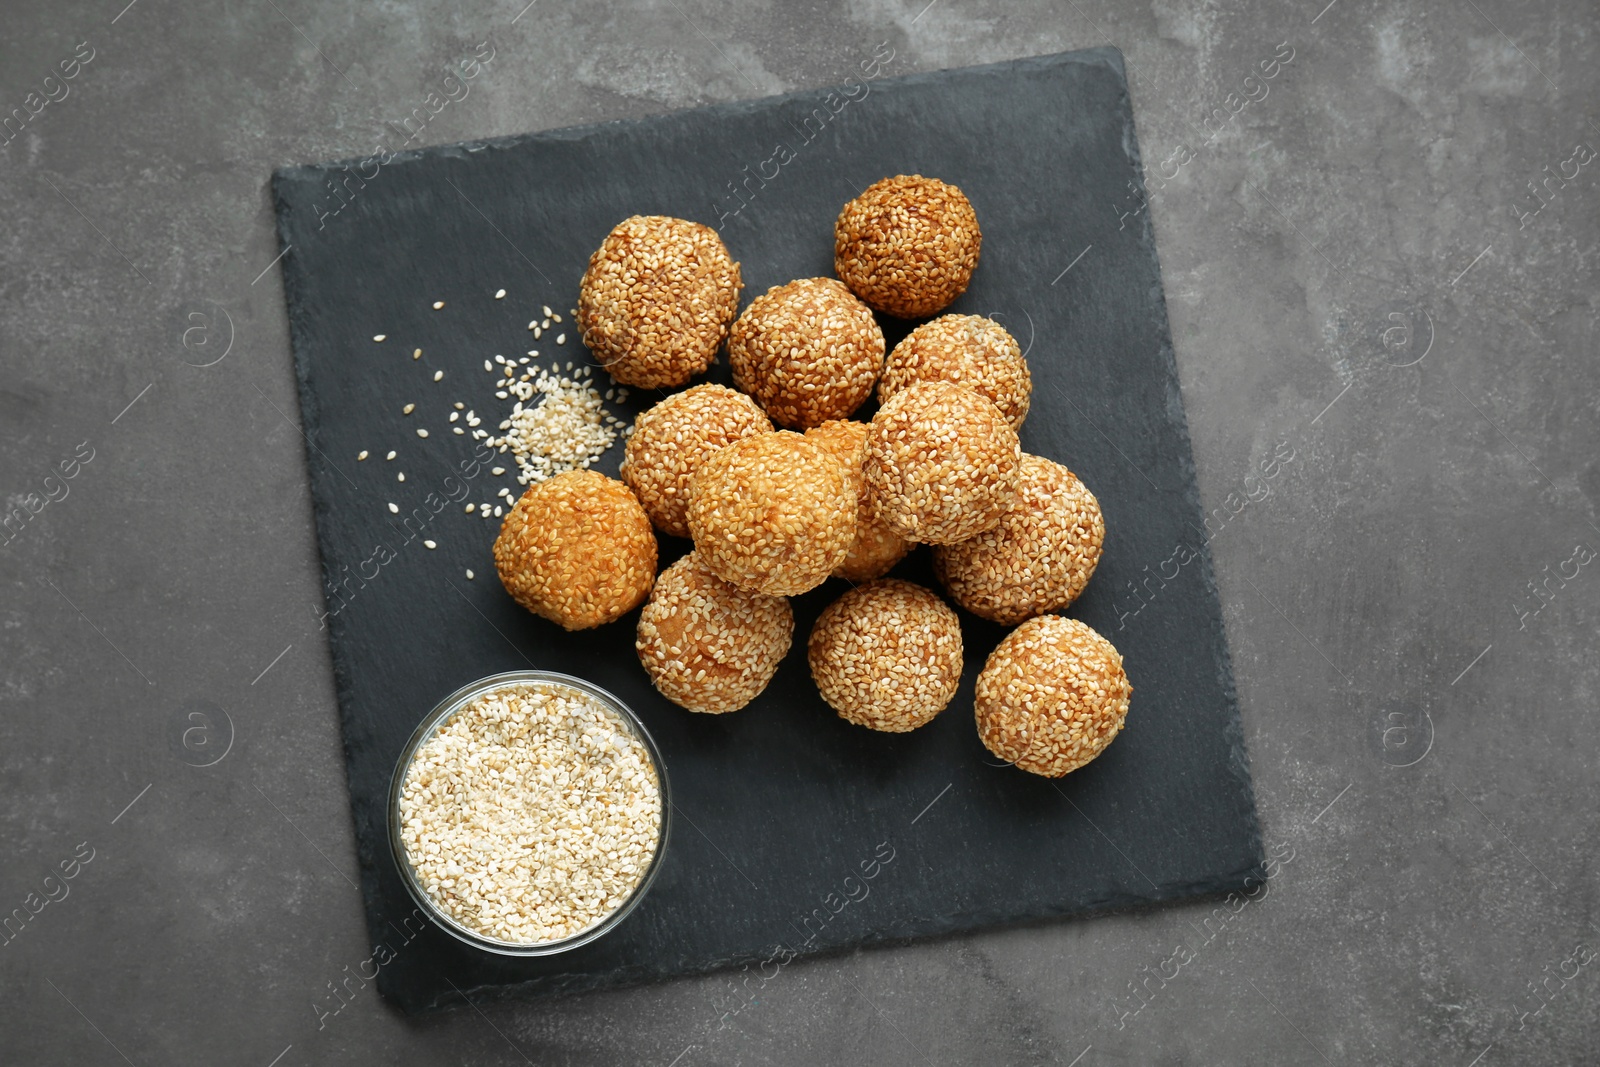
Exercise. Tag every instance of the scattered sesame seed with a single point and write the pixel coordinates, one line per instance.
(363, 454)
(547, 311)
(534, 325)
(545, 325)
(500, 294)
(394, 509)
(498, 511)
(471, 508)
(454, 415)
(561, 338)
(437, 304)
(417, 354)
(537, 331)
(379, 337)
(401, 476)
(488, 366)
(408, 409)
(438, 375)
(459, 406)
(421, 432)
(554, 317)
(430, 544)
(457, 429)
(501, 393)
(498, 471)
(469, 569)
(391, 455)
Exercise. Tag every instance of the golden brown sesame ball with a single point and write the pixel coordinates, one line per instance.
(577, 549)
(968, 349)
(1052, 696)
(908, 245)
(1040, 556)
(941, 463)
(708, 645)
(876, 548)
(657, 299)
(670, 440)
(772, 513)
(887, 655)
(808, 351)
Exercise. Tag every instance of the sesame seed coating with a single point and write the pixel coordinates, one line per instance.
(968, 349)
(907, 245)
(887, 655)
(1040, 556)
(941, 463)
(577, 549)
(657, 299)
(532, 813)
(772, 513)
(876, 548)
(808, 351)
(1052, 696)
(671, 439)
(708, 645)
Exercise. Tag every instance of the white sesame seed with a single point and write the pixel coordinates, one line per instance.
(417, 354)
(469, 574)
(488, 366)
(408, 409)
(554, 317)
(430, 544)
(501, 393)
(534, 325)
(498, 471)
(547, 311)
(537, 331)
(401, 476)
(454, 415)
(363, 454)
(379, 337)
(459, 406)
(561, 338)
(421, 432)
(471, 508)
(437, 304)
(391, 455)
(438, 375)
(394, 509)
(499, 295)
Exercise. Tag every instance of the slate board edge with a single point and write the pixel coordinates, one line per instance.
(929, 928)
(933, 926)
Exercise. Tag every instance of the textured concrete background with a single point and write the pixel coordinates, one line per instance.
(1354, 268)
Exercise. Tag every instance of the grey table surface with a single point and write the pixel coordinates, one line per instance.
(1383, 267)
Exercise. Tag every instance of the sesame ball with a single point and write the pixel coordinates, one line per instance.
(941, 463)
(1040, 556)
(577, 550)
(968, 349)
(708, 645)
(772, 513)
(887, 655)
(808, 351)
(670, 440)
(657, 299)
(876, 548)
(908, 245)
(1052, 696)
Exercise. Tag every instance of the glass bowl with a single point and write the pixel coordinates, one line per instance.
(431, 724)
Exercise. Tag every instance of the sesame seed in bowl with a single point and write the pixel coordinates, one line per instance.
(528, 813)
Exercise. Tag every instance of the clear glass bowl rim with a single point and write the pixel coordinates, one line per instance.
(429, 726)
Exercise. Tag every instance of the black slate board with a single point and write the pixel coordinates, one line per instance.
(782, 809)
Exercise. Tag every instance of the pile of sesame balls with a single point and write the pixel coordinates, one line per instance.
(780, 489)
